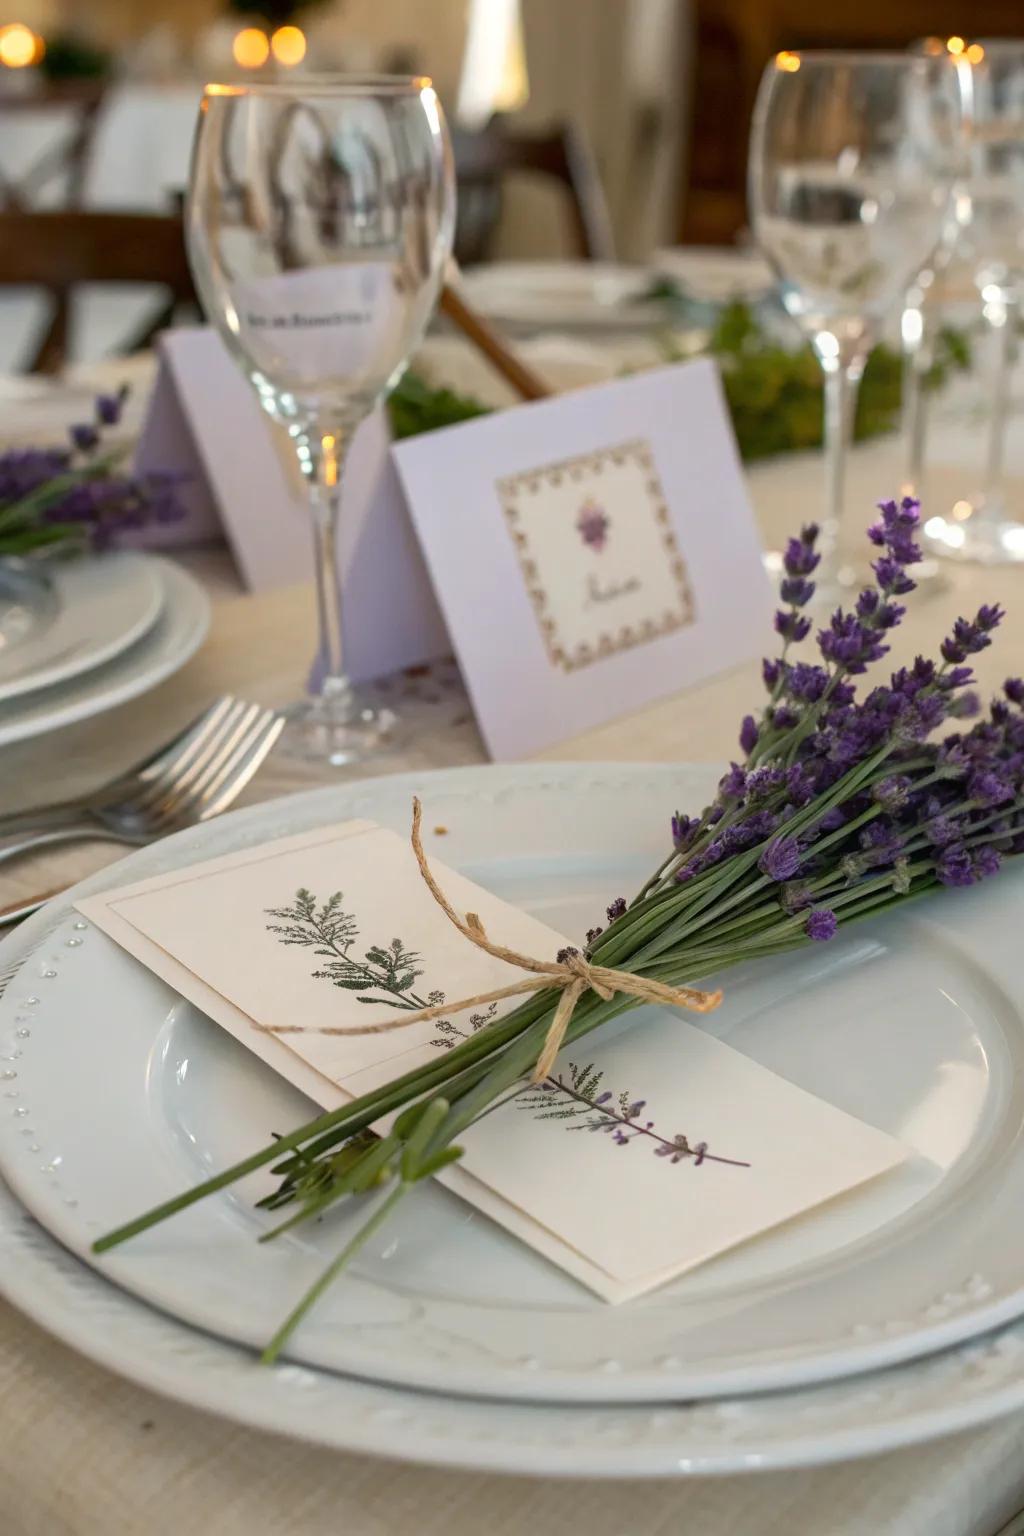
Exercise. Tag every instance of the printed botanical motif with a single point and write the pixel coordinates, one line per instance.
(593, 523)
(393, 970)
(575, 1096)
(331, 933)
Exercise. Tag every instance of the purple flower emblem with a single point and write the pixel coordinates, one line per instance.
(593, 524)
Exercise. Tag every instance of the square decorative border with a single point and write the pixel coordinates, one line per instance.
(513, 488)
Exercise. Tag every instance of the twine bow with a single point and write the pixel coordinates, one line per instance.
(572, 974)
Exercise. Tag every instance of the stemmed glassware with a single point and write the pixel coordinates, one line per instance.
(992, 247)
(320, 218)
(851, 170)
(922, 304)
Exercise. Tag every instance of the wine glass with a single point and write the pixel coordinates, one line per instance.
(923, 301)
(851, 170)
(320, 217)
(993, 250)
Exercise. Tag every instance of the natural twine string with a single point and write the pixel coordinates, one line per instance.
(572, 975)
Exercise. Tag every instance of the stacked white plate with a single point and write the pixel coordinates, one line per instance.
(603, 297)
(115, 625)
(872, 1323)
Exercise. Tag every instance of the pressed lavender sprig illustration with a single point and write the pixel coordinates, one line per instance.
(574, 1096)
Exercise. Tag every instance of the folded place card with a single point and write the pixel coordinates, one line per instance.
(590, 552)
(242, 479)
(650, 1147)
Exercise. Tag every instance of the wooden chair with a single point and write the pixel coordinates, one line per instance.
(484, 159)
(65, 160)
(58, 251)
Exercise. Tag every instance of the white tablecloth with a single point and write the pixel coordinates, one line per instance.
(83, 1453)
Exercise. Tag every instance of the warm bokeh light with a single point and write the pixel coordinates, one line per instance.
(955, 46)
(789, 62)
(962, 510)
(975, 54)
(251, 48)
(288, 46)
(933, 46)
(19, 46)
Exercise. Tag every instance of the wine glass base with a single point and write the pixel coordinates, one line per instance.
(339, 733)
(987, 538)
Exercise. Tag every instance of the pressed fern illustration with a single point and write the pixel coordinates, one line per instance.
(331, 933)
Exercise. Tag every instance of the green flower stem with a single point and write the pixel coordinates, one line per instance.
(312, 1296)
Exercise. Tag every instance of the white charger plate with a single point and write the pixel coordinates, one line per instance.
(911, 1023)
(104, 604)
(180, 628)
(882, 1411)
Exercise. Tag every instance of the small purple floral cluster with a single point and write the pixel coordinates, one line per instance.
(49, 496)
(844, 801)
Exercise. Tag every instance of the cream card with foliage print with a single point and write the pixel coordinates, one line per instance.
(651, 1146)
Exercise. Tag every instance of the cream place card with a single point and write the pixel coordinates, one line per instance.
(590, 552)
(651, 1146)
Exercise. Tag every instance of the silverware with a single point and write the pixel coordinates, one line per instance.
(195, 777)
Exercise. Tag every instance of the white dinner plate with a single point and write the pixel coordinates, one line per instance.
(716, 274)
(911, 1022)
(599, 295)
(179, 630)
(883, 1411)
(104, 603)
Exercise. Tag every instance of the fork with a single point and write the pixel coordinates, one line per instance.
(195, 777)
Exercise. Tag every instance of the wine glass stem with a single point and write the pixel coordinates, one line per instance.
(1002, 317)
(917, 359)
(842, 376)
(329, 450)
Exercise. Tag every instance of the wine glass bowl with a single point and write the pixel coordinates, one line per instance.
(992, 251)
(320, 218)
(851, 170)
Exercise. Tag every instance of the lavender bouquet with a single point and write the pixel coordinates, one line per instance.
(845, 803)
(74, 495)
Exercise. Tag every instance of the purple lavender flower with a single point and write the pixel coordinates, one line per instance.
(748, 734)
(84, 436)
(892, 793)
(683, 828)
(986, 862)
(781, 859)
(805, 682)
(733, 784)
(821, 925)
(109, 407)
(969, 637)
(1014, 689)
(954, 867)
(793, 627)
(800, 557)
(617, 909)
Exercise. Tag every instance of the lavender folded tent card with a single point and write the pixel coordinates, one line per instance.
(590, 552)
(242, 479)
(688, 1148)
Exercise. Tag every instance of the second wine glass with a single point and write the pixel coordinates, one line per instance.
(319, 222)
(851, 170)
